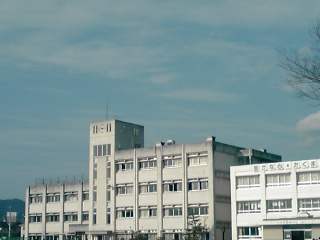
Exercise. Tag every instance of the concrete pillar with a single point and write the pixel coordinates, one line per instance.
(44, 210)
(136, 190)
(211, 219)
(184, 186)
(159, 190)
(80, 203)
(26, 218)
(62, 187)
(294, 189)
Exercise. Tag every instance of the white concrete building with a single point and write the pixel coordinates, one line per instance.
(153, 190)
(276, 201)
(50, 210)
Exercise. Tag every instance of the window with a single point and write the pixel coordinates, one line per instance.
(197, 159)
(53, 197)
(248, 181)
(174, 236)
(52, 217)
(249, 207)
(35, 198)
(146, 212)
(94, 220)
(198, 210)
(309, 204)
(108, 196)
(171, 161)
(147, 163)
(70, 196)
(136, 132)
(248, 232)
(101, 150)
(35, 218)
(147, 187)
(124, 189)
(70, 217)
(174, 186)
(51, 237)
(197, 184)
(108, 170)
(308, 177)
(95, 129)
(85, 196)
(284, 205)
(85, 216)
(278, 179)
(108, 216)
(172, 211)
(124, 213)
(126, 165)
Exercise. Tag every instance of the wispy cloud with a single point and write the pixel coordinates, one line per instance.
(200, 95)
(309, 124)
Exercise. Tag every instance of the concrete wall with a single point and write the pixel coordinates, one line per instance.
(272, 233)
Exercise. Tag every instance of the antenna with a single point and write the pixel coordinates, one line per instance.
(107, 111)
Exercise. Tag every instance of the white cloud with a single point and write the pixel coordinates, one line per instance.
(310, 124)
(45, 32)
(200, 95)
(162, 78)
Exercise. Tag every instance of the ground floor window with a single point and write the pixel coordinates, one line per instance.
(129, 236)
(249, 232)
(173, 236)
(69, 237)
(34, 237)
(52, 237)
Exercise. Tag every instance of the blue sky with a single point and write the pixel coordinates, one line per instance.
(184, 69)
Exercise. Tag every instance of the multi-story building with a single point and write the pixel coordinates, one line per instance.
(276, 201)
(51, 209)
(154, 191)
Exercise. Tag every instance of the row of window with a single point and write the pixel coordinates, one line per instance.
(51, 237)
(55, 217)
(147, 163)
(55, 197)
(282, 205)
(101, 150)
(170, 186)
(146, 212)
(279, 179)
(194, 159)
(248, 232)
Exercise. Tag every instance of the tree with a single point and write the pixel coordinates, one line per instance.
(138, 236)
(195, 228)
(304, 71)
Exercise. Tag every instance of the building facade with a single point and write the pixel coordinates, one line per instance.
(155, 191)
(276, 201)
(52, 209)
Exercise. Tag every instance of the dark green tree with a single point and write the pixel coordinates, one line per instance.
(195, 228)
(138, 236)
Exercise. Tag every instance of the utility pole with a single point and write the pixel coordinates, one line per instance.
(9, 232)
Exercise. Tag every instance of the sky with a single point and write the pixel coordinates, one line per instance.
(185, 70)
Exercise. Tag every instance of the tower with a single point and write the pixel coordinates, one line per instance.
(106, 137)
